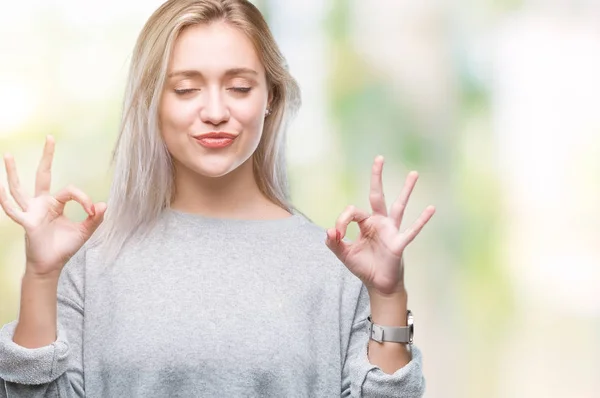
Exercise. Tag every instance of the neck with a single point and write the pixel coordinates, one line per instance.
(234, 195)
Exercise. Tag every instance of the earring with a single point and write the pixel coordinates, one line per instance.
(267, 112)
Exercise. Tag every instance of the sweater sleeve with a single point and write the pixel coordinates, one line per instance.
(55, 370)
(362, 379)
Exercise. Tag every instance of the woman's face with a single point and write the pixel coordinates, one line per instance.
(215, 84)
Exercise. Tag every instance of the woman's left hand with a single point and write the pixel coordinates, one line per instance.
(376, 255)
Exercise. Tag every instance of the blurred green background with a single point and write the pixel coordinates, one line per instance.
(495, 103)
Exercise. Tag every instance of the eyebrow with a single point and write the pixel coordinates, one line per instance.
(229, 72)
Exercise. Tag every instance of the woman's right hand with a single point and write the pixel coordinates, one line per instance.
(50, 237)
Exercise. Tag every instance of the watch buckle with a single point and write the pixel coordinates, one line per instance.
(376, 333)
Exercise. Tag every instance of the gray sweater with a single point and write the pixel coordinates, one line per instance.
(205, 307)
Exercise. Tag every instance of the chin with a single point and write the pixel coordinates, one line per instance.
(214, 168)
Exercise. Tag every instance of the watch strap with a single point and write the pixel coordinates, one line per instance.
(396, 334)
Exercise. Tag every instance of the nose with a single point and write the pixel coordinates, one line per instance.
(214, 109)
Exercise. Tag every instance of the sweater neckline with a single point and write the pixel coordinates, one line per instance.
(206, 221)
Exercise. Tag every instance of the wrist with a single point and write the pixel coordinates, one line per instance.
(399, 292)
(50, 278)
(389, 309)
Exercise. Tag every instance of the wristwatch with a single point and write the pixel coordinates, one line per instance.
(392, 333)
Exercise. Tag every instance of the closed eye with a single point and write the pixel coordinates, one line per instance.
(185, 91)
(241, 89)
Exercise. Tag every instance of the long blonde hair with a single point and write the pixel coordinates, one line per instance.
(142, 185)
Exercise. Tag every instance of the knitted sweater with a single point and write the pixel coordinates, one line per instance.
(206, 307)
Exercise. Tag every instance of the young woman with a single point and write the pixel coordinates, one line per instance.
(200, 278)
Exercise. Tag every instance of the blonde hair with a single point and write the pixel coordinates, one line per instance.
(142, 185)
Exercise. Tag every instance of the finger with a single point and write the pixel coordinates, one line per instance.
(349, 215)
(14, 185)
(407, 236)
(91, 223)
(338, 247)
(376, 196)
(43, 176)
(11, 210)
(397, 210)
(71, 193)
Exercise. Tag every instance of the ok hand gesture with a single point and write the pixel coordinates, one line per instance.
(50, 237)
(376, 256)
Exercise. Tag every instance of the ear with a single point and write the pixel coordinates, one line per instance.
(269, 110)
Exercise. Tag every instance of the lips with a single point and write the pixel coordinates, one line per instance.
(215, 135)
(215, 140)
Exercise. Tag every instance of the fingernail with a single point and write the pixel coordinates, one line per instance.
(93, 211)
(338, 236)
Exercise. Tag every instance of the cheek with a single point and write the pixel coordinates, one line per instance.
(250, 116)
(175, 115)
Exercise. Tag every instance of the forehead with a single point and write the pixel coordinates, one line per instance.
(212, 49)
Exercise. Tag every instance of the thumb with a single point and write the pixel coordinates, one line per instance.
(90, 224)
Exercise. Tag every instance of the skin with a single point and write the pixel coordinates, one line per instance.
(216, 83)
(50, 240)
(376, 258)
